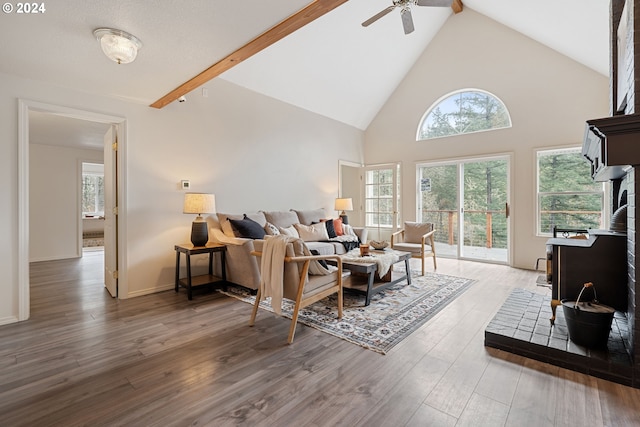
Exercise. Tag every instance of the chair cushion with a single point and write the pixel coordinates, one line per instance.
(413, 231)
(319, 283)
(414, 248)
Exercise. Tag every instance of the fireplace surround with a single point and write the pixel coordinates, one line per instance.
(524, 325)
(612, 146)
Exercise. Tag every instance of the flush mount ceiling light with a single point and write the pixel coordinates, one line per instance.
(118, 45)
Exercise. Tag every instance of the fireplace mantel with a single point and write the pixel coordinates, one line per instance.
(611, 145)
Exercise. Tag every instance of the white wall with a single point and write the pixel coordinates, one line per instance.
(251, 151)
(54, 200)
(549, 97)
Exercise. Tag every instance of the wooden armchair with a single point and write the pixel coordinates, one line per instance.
(417, 238)
(299, 285)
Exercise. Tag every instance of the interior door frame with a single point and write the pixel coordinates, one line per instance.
(24, 106)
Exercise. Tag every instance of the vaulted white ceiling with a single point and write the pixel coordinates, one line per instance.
(333, 66)
(337, 68)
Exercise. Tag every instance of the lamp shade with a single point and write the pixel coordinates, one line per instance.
(199, 203)
(344, 204)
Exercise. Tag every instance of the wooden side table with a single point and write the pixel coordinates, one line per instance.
(190, 281)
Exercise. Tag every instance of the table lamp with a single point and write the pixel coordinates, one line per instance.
(345, 204)
(199, 203)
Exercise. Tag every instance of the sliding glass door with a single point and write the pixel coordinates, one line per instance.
(468, 202)
(438, 203)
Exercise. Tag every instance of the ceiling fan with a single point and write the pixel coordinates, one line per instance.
(405, 11)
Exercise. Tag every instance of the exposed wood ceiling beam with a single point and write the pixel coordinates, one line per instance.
(296, 21)
(456, 6)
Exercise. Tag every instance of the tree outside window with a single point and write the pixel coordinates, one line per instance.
(92, 189)
(567, 195)
(464, 111)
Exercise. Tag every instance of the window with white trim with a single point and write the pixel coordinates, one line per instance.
(567, 195)
(382, 196)
(92, 190)
(463, 111)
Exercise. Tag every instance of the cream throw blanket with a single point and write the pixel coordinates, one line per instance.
(384, 259)
(272, 267)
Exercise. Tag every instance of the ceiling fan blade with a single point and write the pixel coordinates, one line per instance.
(377, 16)
(407, 21)
(434, 3)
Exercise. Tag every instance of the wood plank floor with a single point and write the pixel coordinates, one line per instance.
(161, 360)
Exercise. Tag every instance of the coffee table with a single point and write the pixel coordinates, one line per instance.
(372, 282)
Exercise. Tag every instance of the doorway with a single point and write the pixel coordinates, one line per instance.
(118, 250)
(92, 206)
(468, 201)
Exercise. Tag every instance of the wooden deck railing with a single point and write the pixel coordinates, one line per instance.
(451, 223)
(489, 220)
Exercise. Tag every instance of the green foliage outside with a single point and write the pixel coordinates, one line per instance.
(465, 112)
(92, 194)
(568, 197)
(439, 205)
(485, 196)
(485, 190)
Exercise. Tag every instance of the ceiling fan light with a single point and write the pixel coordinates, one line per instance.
(118, 45)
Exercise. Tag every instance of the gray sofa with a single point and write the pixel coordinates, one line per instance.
(243, 269)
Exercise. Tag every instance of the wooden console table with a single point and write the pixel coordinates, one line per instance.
(209, 279)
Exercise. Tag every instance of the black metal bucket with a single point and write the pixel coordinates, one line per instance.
(589, 323)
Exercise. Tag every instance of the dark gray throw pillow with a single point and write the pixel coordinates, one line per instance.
(330, 230)
(247, 228)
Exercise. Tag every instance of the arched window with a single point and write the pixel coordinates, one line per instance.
(463, 111)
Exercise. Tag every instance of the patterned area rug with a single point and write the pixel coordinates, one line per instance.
(392, 315)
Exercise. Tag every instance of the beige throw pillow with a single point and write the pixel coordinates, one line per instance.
(289, 231)
(313, 232)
